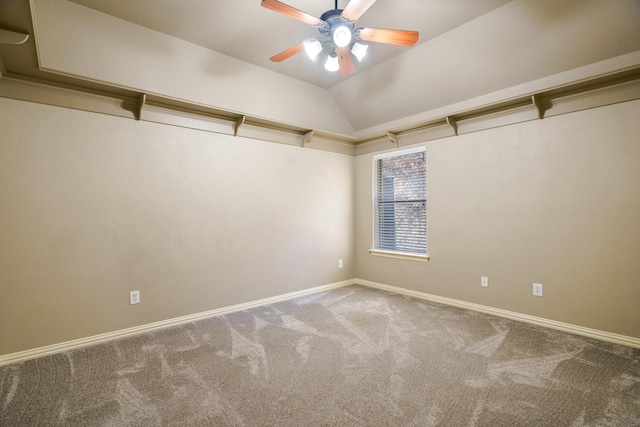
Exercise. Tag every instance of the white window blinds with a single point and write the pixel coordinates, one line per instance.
(400, 202)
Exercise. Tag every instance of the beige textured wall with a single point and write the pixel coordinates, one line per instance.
(553, 201)
(94, 206)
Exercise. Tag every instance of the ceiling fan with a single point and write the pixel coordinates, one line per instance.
(338, 34)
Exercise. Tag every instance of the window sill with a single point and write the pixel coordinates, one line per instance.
(400, 255)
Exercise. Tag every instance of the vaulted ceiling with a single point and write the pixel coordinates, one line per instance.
(215, 53)
(244, 30)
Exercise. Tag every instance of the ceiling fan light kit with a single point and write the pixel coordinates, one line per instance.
(332, 63)
(359, 50)
(341, 36)
(313, 48)
(338, 35)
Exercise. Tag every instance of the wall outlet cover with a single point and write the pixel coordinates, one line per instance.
(134, 297)
(537, 289)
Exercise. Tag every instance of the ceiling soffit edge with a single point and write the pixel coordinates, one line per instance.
(614, 68)
(109, 53)
(496, 100)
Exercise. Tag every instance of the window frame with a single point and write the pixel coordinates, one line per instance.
(415, 256)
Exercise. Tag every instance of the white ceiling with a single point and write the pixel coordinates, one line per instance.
(215, 53)
(244, 30)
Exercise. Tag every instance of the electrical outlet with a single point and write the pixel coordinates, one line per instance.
(134, 297)
(537, 289)
(339, 263)
(484, 281)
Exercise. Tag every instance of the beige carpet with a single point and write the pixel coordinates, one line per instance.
(349, 357)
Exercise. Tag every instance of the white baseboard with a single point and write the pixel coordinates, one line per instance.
(123, 333)
(566, 327)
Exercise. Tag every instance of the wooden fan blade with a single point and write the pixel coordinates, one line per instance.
(287, 53)
(345, 61)
(11, 37)
(356, 8)
(291, 12)
(380, 35)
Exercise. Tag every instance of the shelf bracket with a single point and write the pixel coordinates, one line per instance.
(143, 101)
(239, 122)
(540, 105)
(394, 138)
(451, 121)
(306, 138)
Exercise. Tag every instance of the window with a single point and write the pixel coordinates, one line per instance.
(400, 204)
